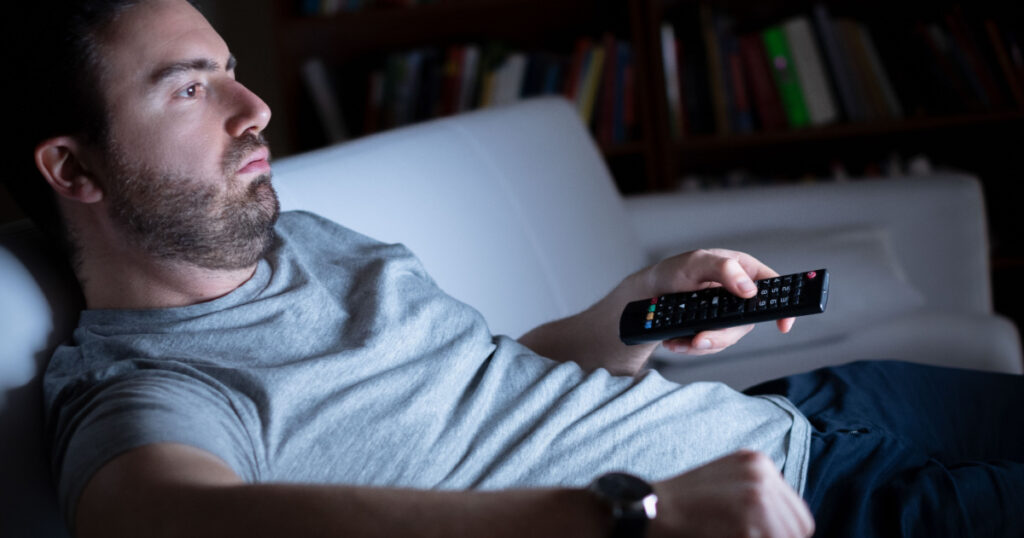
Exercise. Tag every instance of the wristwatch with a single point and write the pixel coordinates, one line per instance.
(631, 500)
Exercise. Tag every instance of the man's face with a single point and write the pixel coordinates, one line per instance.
(186, 172)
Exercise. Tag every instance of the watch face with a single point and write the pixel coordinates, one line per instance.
(623, 487)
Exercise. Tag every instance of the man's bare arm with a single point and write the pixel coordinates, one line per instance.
(591, 338)
(176, 490)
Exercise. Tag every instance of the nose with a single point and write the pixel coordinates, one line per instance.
(248, 112)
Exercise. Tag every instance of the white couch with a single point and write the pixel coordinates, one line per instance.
(513, 211)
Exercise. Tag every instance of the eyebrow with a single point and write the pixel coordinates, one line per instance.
(197, 64)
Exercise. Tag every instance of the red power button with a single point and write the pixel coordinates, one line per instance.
(812, 274)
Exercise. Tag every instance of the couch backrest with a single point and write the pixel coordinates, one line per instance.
(511, 209)
(39, 304)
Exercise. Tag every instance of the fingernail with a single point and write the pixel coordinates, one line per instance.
(747, 285)
(704, 344)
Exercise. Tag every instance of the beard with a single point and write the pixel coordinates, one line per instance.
(174, 217)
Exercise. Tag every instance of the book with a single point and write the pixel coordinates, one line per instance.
(942, 55)
(670, 67)
(324, 95)
(623, 117)
(373, 112)
(426, 102)
(767, 104)
(892, 104)
(715, 71)
(838, 62)
(469, 84)
(976, 62)
(694, 71)
(508, 79)
(864, 75)
(451, 80)
(492, 58)
(810, 70)
(784, 74)
(606, 117)
(918, 83)
(738, 102)
(574, 78)
(407, 86)
(1002, 56)
(591, 82)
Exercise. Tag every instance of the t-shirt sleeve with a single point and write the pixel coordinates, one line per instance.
(96, 423)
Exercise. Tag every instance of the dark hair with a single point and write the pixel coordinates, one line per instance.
(51, 50)
(53, 57)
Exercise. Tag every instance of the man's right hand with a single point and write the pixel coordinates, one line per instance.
(742, 494)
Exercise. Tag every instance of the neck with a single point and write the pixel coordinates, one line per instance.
(116, 276)
(143, 284)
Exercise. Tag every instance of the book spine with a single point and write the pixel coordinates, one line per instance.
(715, 71)
(622, 69)
(605, 117)
(980, 70)
(468, 87)
(591, 83)
(892, 103)
(999, 48)
(767, 103)
(325, 99)
(743, 118)
(574, 80)
(670, 67)
(810, 71)
(508, 79)
(865, 76)
(784, 74)
(839, 65)
(943, 54)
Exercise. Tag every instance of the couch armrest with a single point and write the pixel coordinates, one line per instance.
(936, 226)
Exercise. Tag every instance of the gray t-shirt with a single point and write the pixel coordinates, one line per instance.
(340, 361)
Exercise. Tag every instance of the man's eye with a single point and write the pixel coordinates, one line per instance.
(191, 91)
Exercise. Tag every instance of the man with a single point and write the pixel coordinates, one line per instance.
(236, 373)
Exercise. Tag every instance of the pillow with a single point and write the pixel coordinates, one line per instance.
(867, 285)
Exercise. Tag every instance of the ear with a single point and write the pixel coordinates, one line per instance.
(59, 159)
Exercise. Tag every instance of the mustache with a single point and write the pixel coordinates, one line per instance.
(241, 148)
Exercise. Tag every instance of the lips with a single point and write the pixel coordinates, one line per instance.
(258, 162)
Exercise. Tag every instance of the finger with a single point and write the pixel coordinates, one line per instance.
(724, 267)
(707, 342)
(753, 266)
(797, 516)
(785, 324)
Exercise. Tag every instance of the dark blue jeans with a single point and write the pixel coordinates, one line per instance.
(901, 449)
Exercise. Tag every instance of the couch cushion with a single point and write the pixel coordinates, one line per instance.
(867, 285)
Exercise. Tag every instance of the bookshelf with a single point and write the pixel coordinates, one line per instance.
(914, 112)
(946, 104)
(361, 51)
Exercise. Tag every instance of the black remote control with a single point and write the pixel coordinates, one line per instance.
(688, 313)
